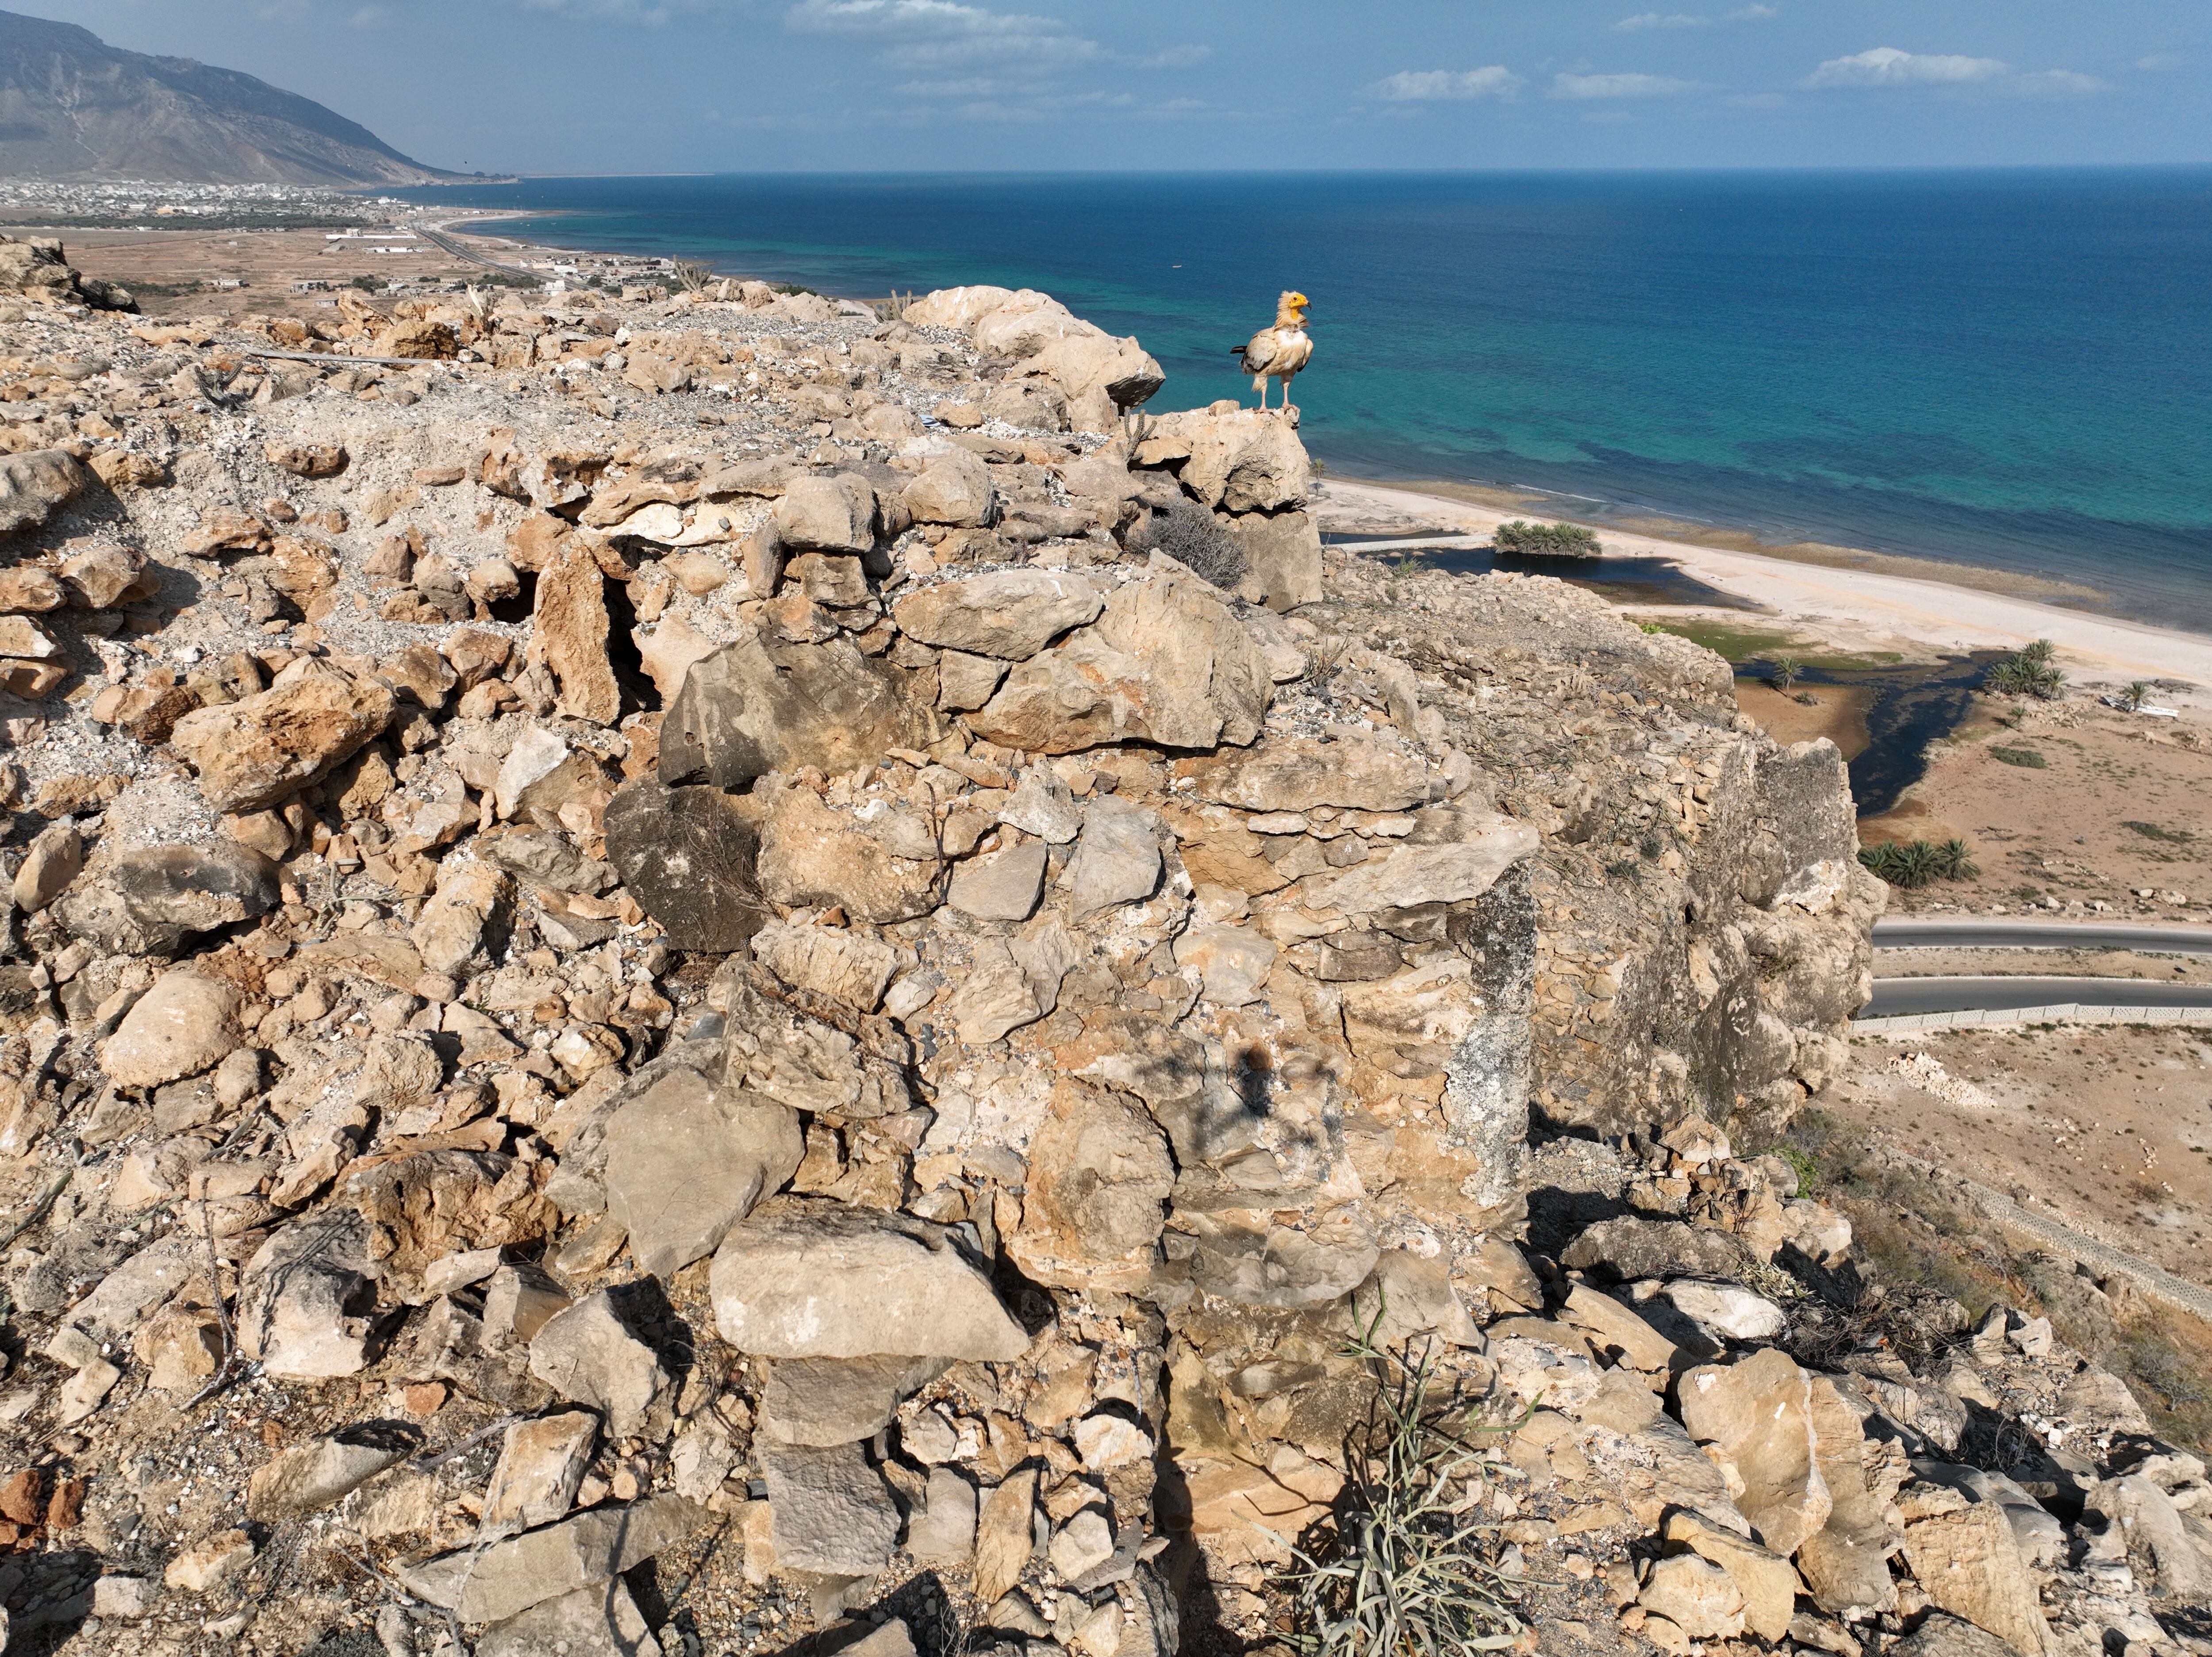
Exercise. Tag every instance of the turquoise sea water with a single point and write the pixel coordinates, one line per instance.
(2007, 368)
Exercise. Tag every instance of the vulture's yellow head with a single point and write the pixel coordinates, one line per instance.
(1291, 310)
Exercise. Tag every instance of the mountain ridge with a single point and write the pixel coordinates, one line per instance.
(73, 106)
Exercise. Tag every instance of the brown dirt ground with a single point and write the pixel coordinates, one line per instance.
(267, 261)
(2116, 807)
(2106, 1130)
(1836, 711)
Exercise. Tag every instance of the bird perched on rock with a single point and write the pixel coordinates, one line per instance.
(1279, 352)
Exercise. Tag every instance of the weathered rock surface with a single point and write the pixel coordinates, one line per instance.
(686, 1160)
(799, 1279)
(256, 751)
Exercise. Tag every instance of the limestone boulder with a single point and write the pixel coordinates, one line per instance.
(1296, 774)
(55, 858)
(257, 751)
(832, 1512)
(688, 856)
(542, 1463)
(1754, 1418)
(307, 460)
(1117, 857)
(1009, 614)
(1165, 663)
(953, 488)
(823, 1402)
(310, 1477)
(307, 1298)
(428, 1206)
(801, 1279)
(848, 965)
(1001, 885)
(686, 1160)
(756, 707)
(1100, 1176)
(569, 634)
(1083, 363)
(590, 1355)
(36, 483)
(880, 870)
(600, 1621)
(1239, 460)
(1969, 1565)
(492, 1584)
(1282, 558)
(1417, 875)
(187, 1023)
(955, 307)
(828, 514)
(1696, 1595)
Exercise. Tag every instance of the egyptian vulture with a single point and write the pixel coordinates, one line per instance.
(1279, 352)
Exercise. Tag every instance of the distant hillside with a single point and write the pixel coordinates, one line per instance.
(73, 106)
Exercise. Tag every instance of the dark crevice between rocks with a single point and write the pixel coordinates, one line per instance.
(639, 694)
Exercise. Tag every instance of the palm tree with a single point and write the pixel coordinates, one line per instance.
(2137, 694)
(1786, 673)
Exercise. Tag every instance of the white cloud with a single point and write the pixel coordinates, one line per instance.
(2161, 60)
(370, 17)
(2056, 83)
(617, 11)
(1886, 66)
(1619, 86)
(972, 85)
(1757, 100)
(1182, 106)
(1683, 20)
(1435, 85)
(926, 34)
(933, 33)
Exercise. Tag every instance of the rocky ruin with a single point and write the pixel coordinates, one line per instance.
(668, 988)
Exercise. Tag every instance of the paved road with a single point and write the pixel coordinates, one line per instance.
(1997, 932)
(461, 250)
(1893, 997)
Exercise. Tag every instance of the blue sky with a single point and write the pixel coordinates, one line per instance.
(610, 86)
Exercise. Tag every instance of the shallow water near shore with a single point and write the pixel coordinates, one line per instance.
(2004, 368)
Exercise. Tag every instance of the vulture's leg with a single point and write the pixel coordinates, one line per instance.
(1259, 385)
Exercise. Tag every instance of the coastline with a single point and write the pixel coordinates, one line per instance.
(1854, 598)
(1858, 601)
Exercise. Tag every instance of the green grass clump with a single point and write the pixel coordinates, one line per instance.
(2027, 758)
(1402, 1568)
(2152, 831)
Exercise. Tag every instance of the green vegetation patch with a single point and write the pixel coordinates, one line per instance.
(2152, 831)
(1911, 863)
(2029, 673)
(1739, 645)
(2027, 758)
(1523, 539)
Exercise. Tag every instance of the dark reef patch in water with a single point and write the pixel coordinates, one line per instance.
(1619, 580)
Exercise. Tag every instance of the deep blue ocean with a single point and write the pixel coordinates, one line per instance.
(2008, 368)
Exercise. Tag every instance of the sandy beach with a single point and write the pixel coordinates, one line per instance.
(1854, 609)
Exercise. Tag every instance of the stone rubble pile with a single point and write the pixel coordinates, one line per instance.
(656, 938)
